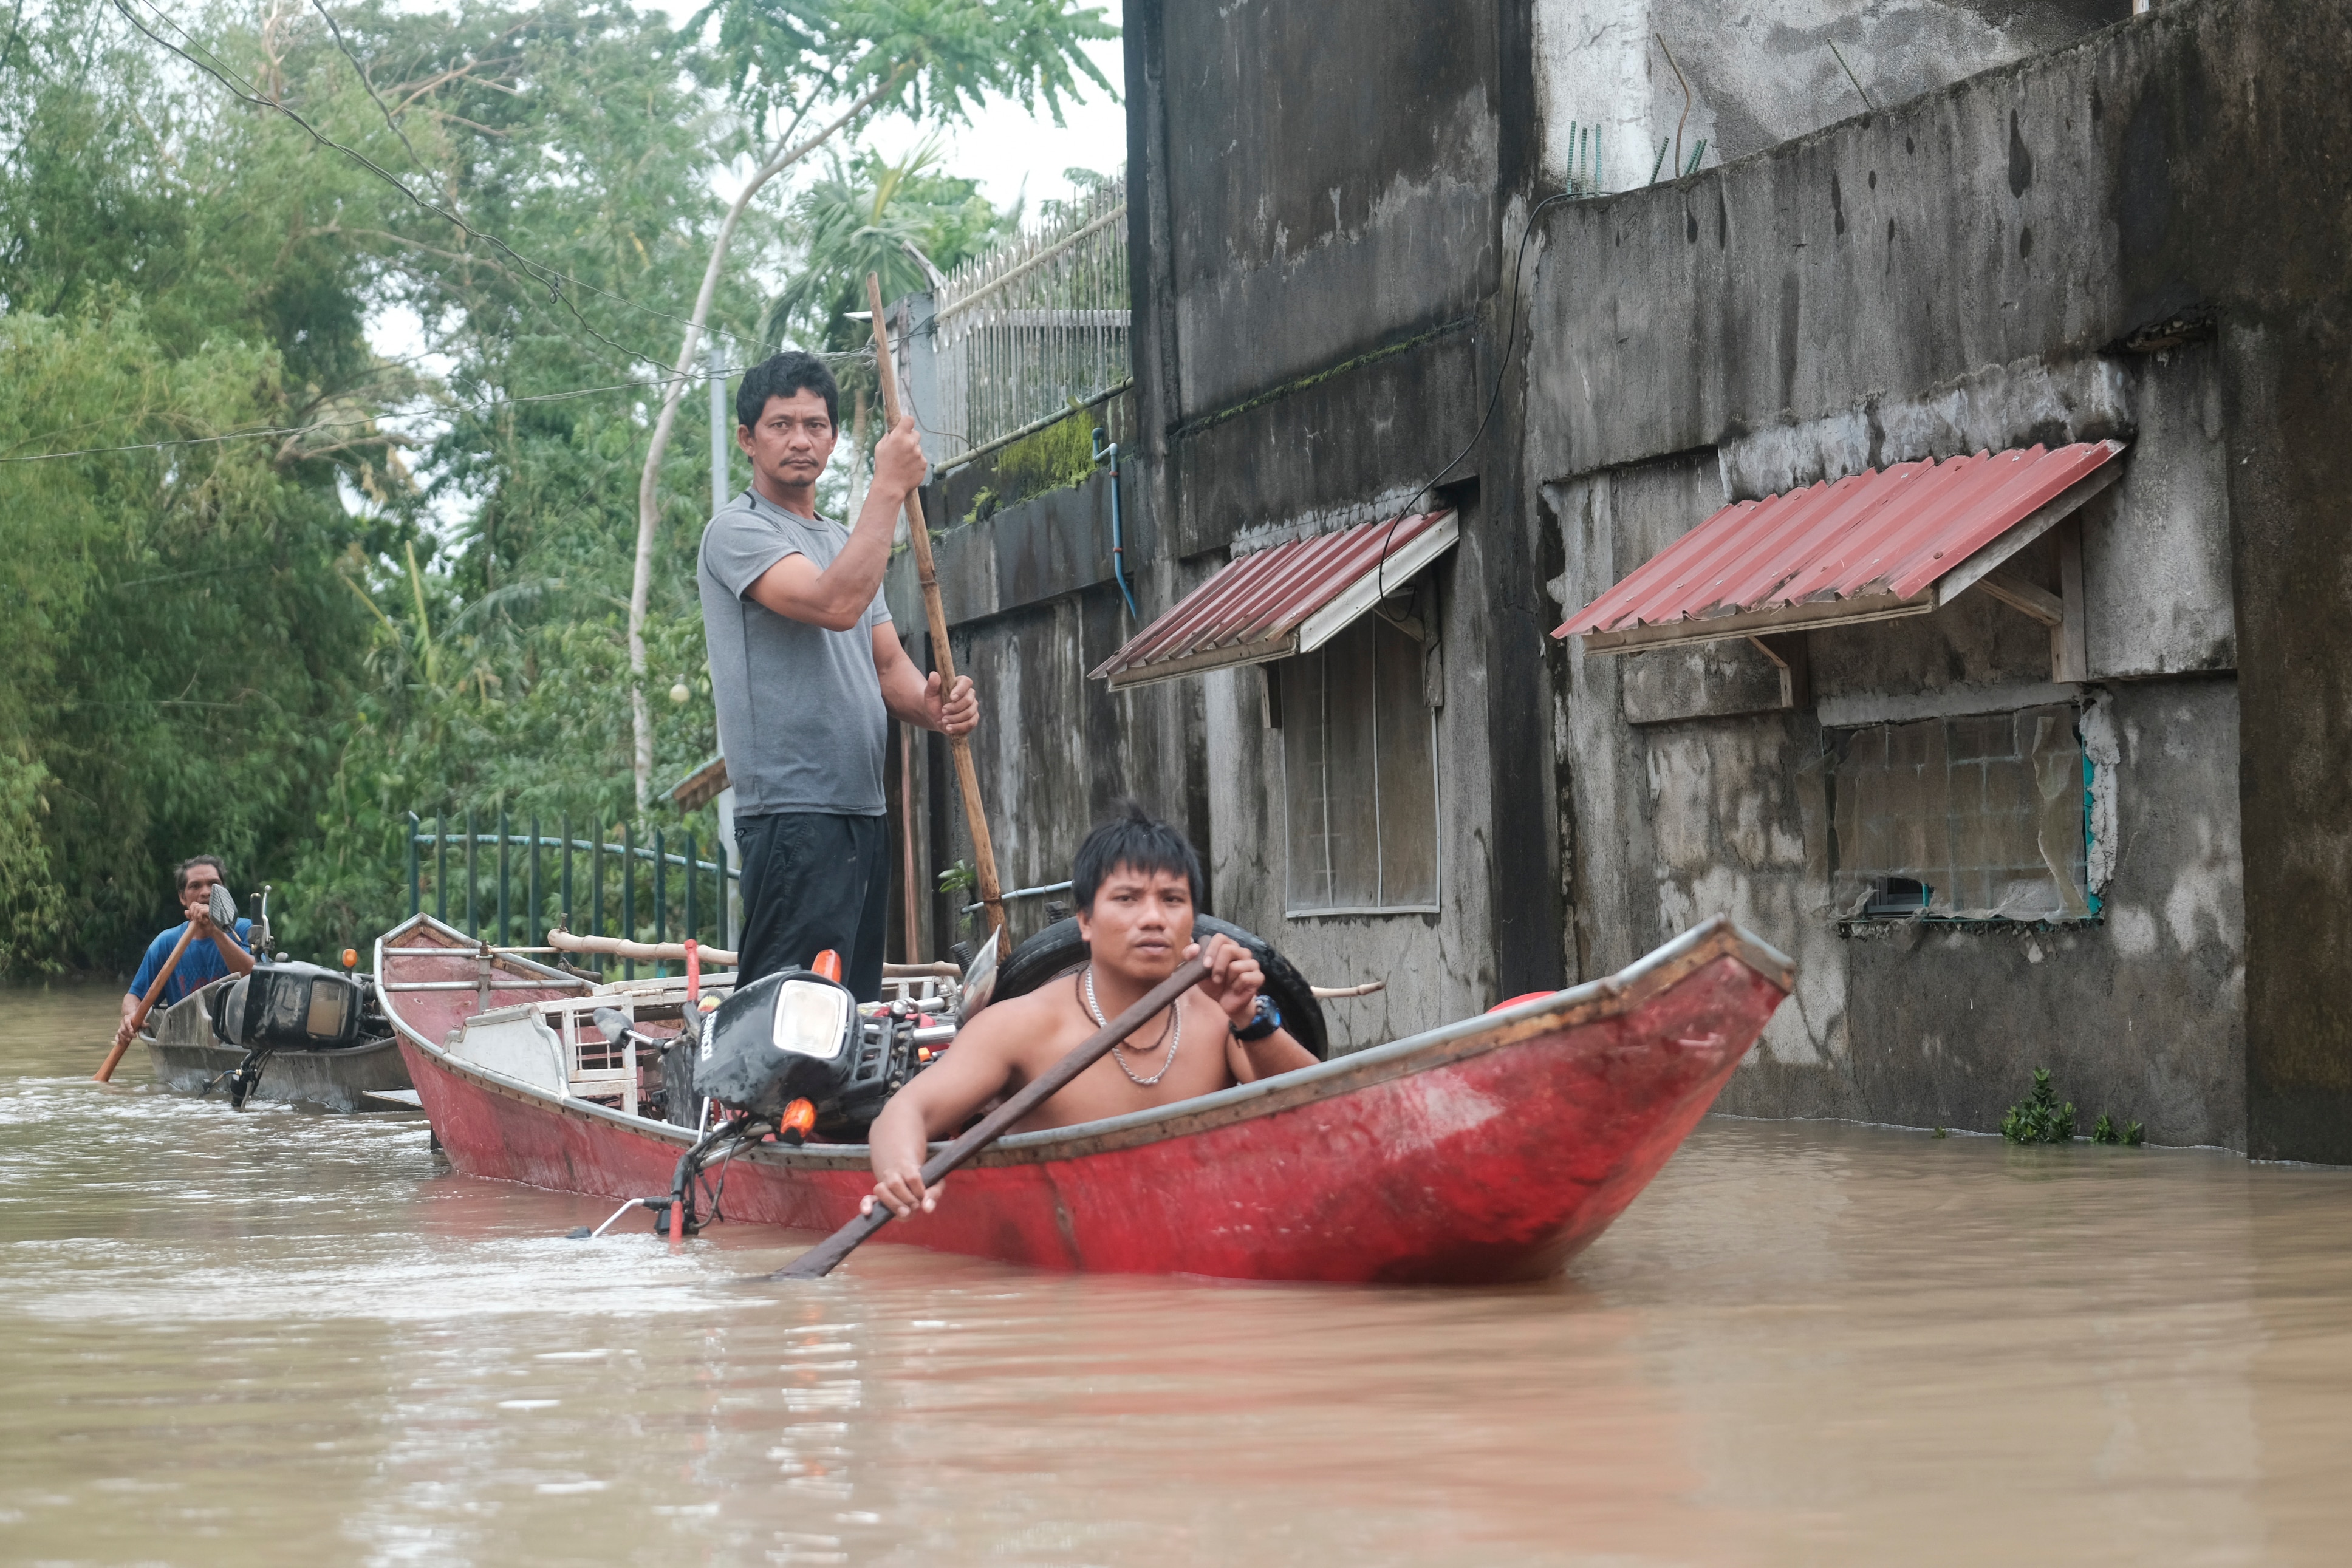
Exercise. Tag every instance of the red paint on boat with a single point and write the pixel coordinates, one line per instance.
(1491, 1150)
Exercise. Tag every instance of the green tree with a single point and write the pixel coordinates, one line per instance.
(178, 646)
(904, 222)
(270, 588)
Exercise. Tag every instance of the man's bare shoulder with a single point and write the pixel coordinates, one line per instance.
(1014, 1026)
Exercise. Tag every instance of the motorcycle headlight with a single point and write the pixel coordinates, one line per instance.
(812, 1019)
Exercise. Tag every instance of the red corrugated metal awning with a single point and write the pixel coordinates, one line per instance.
(1291, 599)
(1867, 547)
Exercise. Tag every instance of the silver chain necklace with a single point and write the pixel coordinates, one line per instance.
(1175, 1031)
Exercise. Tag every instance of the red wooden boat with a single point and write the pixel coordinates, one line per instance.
(1492, 1149)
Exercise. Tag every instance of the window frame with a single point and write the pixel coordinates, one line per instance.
(1276, 671)
(1882, 912)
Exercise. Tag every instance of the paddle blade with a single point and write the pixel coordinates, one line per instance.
(979, 981)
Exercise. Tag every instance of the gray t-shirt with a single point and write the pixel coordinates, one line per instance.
(801, 720)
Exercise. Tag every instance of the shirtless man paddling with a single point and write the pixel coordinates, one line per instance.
(1136, 882)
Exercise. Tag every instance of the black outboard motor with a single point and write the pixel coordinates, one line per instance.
(290, 1006)
(283, 1006)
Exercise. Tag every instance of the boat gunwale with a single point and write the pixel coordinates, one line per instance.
(368, 1047)
(1717, 937)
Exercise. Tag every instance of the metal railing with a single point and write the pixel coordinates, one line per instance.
(1021, 333)
(692, 903)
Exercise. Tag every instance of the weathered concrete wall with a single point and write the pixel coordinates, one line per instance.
(1969, 269)
(2041, 253)
(1759, 75)
(1912, 1024)
(1333, 187)
(2239, 191)
(1317, 212)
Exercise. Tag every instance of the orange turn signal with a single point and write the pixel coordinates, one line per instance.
(828, 964)
(351, 958)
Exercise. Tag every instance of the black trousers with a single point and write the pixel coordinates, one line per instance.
(811, 880)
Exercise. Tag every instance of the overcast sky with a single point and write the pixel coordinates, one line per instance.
(1004, 146)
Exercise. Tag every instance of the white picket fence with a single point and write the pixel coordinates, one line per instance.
(1018, 334)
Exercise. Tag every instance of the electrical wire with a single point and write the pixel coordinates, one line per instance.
(360, 71)
(1494, 397)
(546, 276)
(484, 408)
(539, 272)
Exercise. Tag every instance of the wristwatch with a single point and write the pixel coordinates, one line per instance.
(1264, 1021)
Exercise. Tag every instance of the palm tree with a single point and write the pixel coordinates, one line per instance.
(901, 221)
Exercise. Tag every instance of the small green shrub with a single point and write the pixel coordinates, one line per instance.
(2042, 1119)
(2131, 1134)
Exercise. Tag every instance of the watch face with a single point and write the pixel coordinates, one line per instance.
(1264, 1019)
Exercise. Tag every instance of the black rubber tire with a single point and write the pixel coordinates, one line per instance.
(1059, 950)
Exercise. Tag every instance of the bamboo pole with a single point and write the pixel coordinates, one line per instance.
(914, 924)
(984, 855)
(560, 940)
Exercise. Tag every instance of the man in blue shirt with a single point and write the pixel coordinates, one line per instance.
(212, 952)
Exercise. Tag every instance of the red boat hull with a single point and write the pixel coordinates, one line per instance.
(1492, 1150)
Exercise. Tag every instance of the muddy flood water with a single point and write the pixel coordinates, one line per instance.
(275, 1338)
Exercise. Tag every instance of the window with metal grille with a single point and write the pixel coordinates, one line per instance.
(1966, 818)
(1358, 745)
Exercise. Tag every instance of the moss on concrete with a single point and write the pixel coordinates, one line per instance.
(1057, 458)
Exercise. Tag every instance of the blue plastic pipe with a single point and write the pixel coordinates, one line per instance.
(1108, 452)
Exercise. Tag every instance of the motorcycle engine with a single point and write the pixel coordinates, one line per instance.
(795, 1035)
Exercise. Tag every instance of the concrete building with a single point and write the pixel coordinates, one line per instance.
(2115, 847)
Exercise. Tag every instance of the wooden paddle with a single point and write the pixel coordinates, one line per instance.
(984, 855)
(155, 989)
(822, 1259)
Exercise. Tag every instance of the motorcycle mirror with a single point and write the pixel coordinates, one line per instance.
(612, 1023)
(222, 907)
(979, 981)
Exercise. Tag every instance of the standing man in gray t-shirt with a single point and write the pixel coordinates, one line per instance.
(807, 673)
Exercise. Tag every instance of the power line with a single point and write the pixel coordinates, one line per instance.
(547, 277)
(360, 71)
(1494, 394)
(484, 408)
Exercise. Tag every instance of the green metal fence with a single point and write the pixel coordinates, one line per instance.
(512, 887)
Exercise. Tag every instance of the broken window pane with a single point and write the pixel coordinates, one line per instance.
(1978, 818)
(1360, 774)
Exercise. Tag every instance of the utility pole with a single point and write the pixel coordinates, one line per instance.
(722, 436)
(721, 427)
